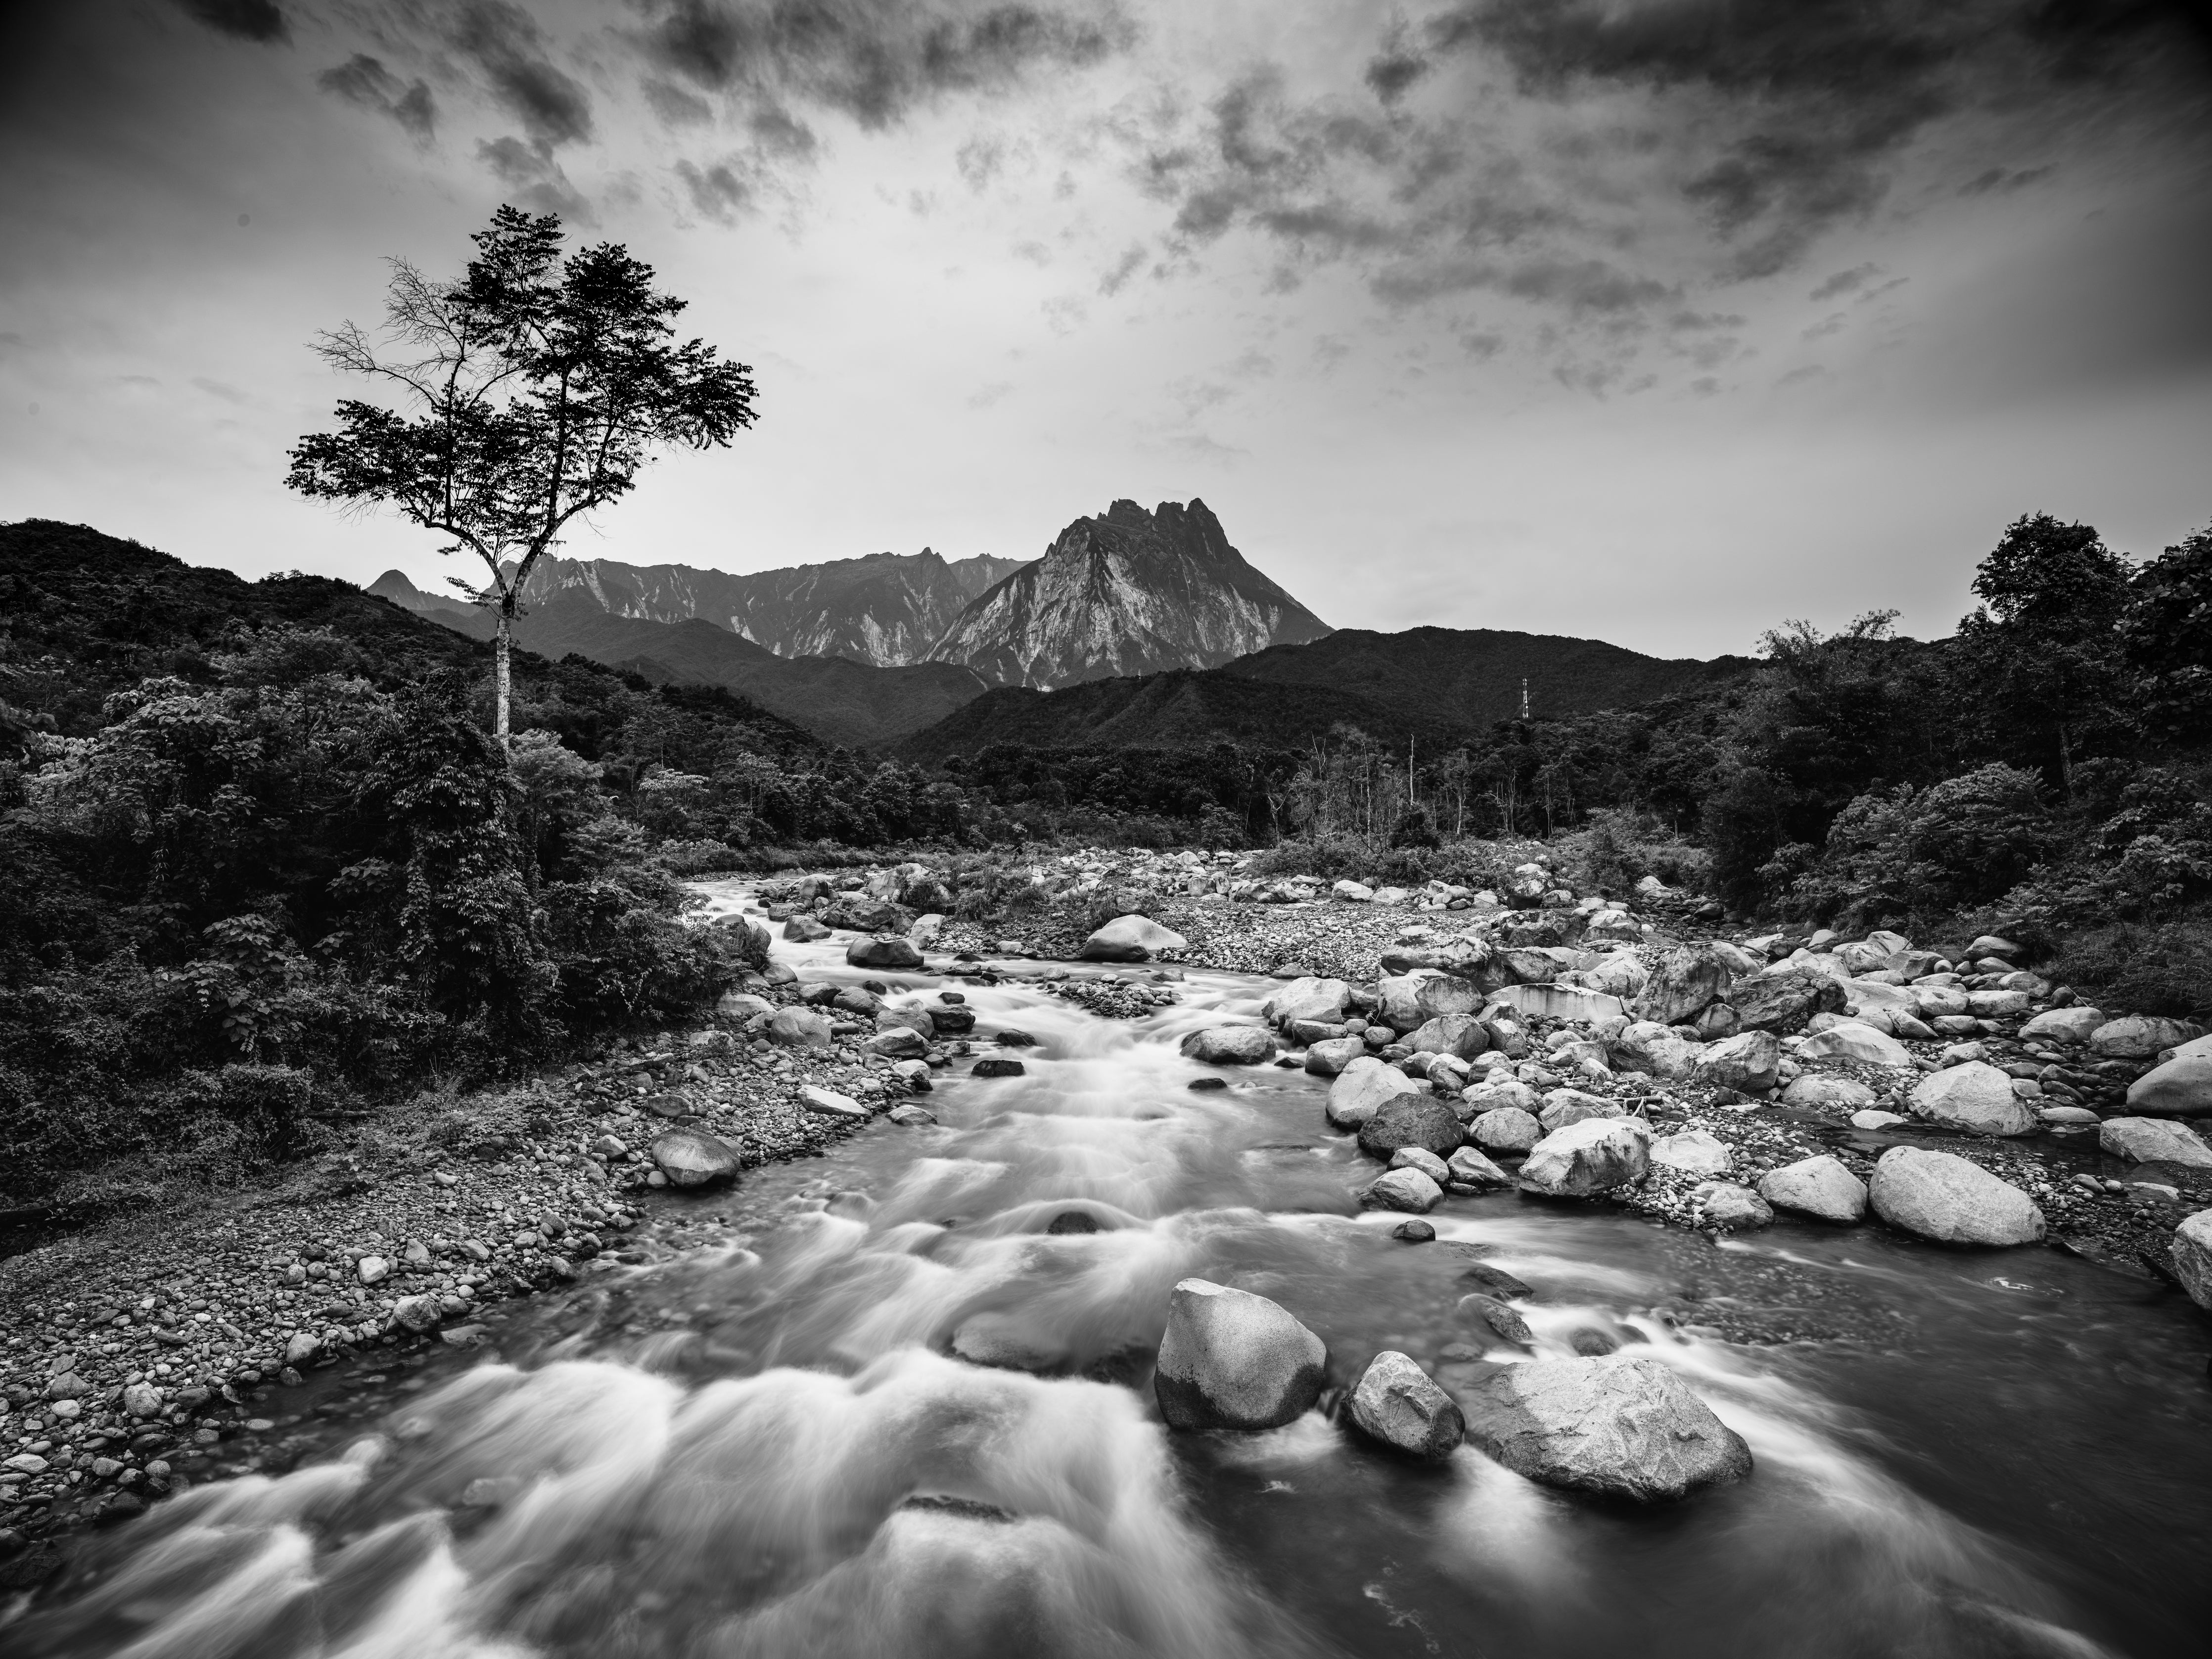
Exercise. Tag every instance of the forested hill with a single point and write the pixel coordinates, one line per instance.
(84, 615)
(1437, 686)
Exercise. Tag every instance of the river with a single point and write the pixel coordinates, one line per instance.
(763, 1447)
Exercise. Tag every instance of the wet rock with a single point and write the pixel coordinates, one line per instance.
(1504, 1320)
(1733, 1208)
(1837, 1093)
(1565, 1106)
(2192, 1257)
(1505, 1129)
(1414, 1230)
(1011, 1038)
(1398, 1403)
(1946, 1198)
(1851, 1040)
(899, 1043)
(1617, 1428)
(1496, 1281)
(1819, 1186)
(1232, 1360)
(804, 929)
(798, 1028)
(1363, 1087)
(911, 1117)
(690, 1158)
(1692, 1152)
(1683, 985)
(1975, 1096)
(1588, 1158)
(1230, 1045)
(829, 1102)
(1468, 1168)
(1747, 1062)
(1325, 1000)
(997, 1066)
(2154, 1141)
(1000, 1342)
(1419, 1157)
(1327, 1058)
(1783, 1002)
(418, 1313)
(889, 951)
(1130, 939)
(1874, 1119)
(2140, 1037)
(2182, 1087)
(1403, 1190)
(302, 1348)
(1411, 1120)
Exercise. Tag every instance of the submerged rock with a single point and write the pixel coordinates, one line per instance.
(1615, 1427)
(1232, 1360)
(1948, 1198)
(1398, 1403)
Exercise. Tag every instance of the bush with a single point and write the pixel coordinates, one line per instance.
(2156, 968)
(1963, 842)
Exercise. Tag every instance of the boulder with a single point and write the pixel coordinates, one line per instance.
(690, 1158)
(1850, 1040)
(2180, 1088)
(1352, 892)
(1781, 1002)
(2194, 1047)
(798, 1028)
(1502, 1318)
(1232, 1360)
(1566, 1106)
(1230, 1045)
(1398, 1403)
(1950, 1199)
(1421, 1158)
(1411, 1120)
(804, 929)
(1562, 1002)
(2140, 1037)
(828, 1103)
(1361, 1088)
(2192, 1257)
(1506, 1129)
(1996, 1005)
(1685, 982)
(1747, 1062)
(859, 913)
(1615, 1427)
(1468, 1168)
(1326, 1059)
(886, 950)
(1323, 1000)
(1733, 1208)
(418, 1313)
(1461, 1035)
(1694, 1152)
(1130, 939)
(1403, 1188)
(998, 1066)
(1975, 1096)
(899, 1043)
(1819, 1186)
(858, 1000)
(1841, 1093)
(1871, 1118)
(1594, 1156)
(2154, 1141)
(1652, 1048)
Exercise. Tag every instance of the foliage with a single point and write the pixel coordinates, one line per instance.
(2159, 967)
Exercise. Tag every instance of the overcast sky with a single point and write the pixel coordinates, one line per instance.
(1656, 321)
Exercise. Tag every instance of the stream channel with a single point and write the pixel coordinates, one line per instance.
(762, 1446)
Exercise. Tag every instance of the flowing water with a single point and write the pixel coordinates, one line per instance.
(763, 1447)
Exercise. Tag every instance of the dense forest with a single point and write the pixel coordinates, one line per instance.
(266, 861)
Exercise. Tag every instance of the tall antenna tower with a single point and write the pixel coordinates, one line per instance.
(1524, 698)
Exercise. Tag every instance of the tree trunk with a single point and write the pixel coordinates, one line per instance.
(499, 665)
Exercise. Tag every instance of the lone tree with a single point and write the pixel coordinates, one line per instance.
(529, 392)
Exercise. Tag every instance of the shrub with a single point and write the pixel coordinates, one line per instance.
(2158, 968)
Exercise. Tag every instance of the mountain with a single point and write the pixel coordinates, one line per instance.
(1436, 685)
(394, 586)
(1127, 593)
(888, 609)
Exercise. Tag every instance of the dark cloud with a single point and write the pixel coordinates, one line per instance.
(674, 105)
(1998, 181)
(243, 20)
(506, 47)
(533, 177)
(1846, 281)
(873, 60)
(364, 81)
(722, 191)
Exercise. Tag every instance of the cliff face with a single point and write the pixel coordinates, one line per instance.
(887, 608)
(1125, 592)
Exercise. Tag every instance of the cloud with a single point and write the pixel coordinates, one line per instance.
(363, 80)
(243, 20)
(984, 397)
(2001, 182)
(1846, 281)
(221, 390)
(722, 191)
(1118, 278)
(674, 105)
(507, 46)
(534, 177)
(980, 160)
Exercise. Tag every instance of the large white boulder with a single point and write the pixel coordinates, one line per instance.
(1975, 1096)
(690, 1158)
(1459, 1034)
(2192, 1257)
(1332, 1054)
(1618, 1427)
(1398, 1403)
(1819, 1186)
(2140, 1036)
(1952, 1200)
(1747, 1062)
(2180, 1088)
(1505, 1129)
(1694, 1152)
(798, 1028)
(1130, 939)
(1232, 1360)
(1403, 1189)
(1361, 1088)
(2075, 1024)
(2154, 1141)
(1852, 1040)
(1231, 1045)
(1594, 1156)
(1323, 1000)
